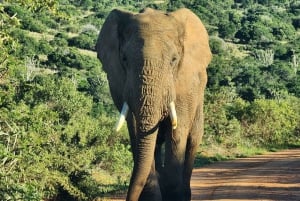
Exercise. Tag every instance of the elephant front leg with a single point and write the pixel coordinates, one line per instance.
(172, 178)
(151, 191)
(193, 142)
(191, 150)
(159, 152)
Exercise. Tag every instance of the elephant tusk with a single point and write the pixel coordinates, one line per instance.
(122, 117)
(173, 115)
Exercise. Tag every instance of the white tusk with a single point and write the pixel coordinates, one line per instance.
(122, 117)
(173, 115)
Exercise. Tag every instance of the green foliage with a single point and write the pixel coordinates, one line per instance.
(221, 127)
(7, 43)
(272, 121)
(63, 58)
(217, 45)
(233, 122)
(52, 140)
(84, 41)
(36, 5)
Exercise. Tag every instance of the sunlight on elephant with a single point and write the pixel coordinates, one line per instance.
(156, 67)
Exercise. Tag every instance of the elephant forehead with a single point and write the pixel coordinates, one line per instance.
(156, 23)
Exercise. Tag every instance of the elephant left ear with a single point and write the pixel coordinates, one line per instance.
(196, 41)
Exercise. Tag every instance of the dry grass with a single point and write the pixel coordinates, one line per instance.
(236, 51)
(40, 36)
(88, 52)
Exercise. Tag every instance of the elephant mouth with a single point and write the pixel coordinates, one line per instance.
(125, 109)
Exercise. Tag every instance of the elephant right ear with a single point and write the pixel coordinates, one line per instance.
(107, 48)
(196, 43)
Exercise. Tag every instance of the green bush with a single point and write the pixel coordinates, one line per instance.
(84, 41)
(44, 47)
(220, 126)
(53, 142)
(32, 24)
(217, 45)
(48, 20)
(227, 29)
(28, 45)
(231, 121)
(271, 122)
(64, 58)
(59, 42)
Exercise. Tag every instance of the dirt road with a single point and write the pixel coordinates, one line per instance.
(272, 176)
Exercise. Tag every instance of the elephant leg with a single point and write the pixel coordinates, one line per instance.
(193, 142)
(151, 191)
(172, 179)
(158, 158)
(158, 149)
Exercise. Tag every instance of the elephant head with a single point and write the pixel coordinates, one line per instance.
(144, 56)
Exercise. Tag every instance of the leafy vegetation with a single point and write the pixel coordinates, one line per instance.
(56, 114)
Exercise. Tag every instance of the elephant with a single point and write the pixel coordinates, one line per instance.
(155, 63)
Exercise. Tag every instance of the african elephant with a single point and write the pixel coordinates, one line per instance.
(156, 67)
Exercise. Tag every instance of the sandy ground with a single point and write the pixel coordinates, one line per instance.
(272, 176)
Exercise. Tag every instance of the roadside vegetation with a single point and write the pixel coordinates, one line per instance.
(56, 114)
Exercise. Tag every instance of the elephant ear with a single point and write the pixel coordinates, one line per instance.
(195, 40)
(107, 48)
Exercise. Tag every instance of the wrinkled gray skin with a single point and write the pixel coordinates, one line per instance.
(152, 58)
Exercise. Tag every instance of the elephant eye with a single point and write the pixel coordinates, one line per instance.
(173, 61)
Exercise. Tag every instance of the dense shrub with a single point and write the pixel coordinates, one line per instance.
(220, 126)
(32, 23)
(44, 47)
(85, 40)
(47, 19)
(52, 122)
(230, 120)
(28, 45)
(217, 45)
(59, 41)
(63, 58)
(270, 122)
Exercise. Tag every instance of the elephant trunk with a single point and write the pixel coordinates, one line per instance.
(149, 110)
(147, 118)
(153, 94)
(150, 103)
(144, 158)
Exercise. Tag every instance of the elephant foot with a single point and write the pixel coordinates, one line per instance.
(151, 191)
(150, 197)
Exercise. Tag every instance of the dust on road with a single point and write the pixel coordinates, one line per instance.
(272, 176)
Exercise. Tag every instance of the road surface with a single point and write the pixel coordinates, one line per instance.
(272, 176)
